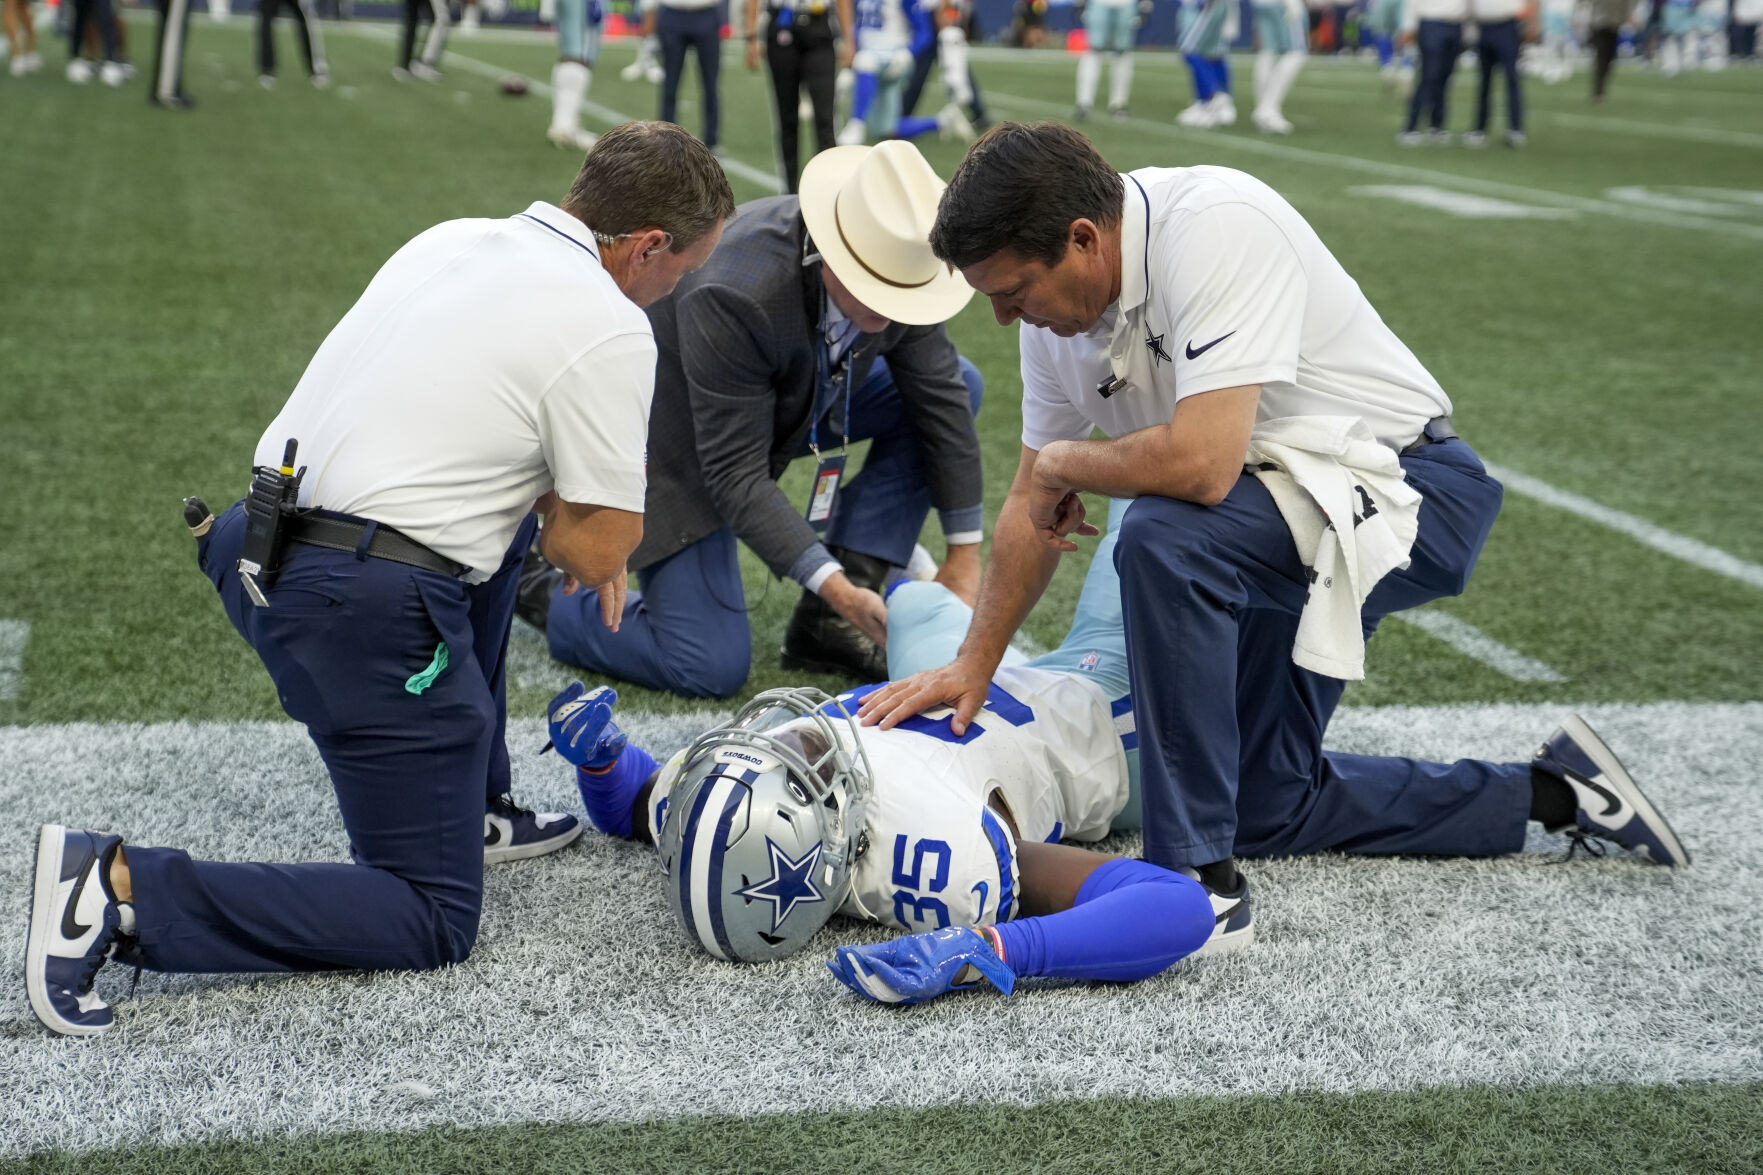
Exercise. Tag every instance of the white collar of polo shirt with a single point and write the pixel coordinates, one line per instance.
(1131, 352)
(551, 217)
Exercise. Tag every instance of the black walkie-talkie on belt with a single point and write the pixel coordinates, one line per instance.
(273, 499)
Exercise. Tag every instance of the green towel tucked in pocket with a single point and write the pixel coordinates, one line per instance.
(421, 681)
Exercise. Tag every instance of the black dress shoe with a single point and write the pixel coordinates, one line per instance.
(819, 640)
(532, 595)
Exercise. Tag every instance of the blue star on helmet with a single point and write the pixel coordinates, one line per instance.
(791, 883)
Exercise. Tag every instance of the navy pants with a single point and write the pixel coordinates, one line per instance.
(685, 629)
(1230, 730)
(922, 64)
(699, 29)
(1498, 51)
(1441, 43)
(350, 644)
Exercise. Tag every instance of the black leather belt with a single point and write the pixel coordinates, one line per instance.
(1437, 429)
(342, 532)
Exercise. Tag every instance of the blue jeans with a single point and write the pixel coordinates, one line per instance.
(698, 29)
(685, 629)
(1441, 43)
(1498, 50)
(1230, 730)
(346, 641)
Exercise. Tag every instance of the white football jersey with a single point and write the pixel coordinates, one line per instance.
(938, 854)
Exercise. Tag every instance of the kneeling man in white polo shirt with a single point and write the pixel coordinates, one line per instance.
(1296, 479)
(491, 365)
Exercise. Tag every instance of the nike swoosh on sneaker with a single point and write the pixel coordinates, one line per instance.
(71, 929)
(1195, 353)
(1616, 806)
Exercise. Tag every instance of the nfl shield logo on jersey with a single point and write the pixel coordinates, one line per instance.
(1089, 662)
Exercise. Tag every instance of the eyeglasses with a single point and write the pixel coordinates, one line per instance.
(611, 238)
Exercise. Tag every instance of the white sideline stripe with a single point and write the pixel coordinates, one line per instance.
(1472, 642)
(1660, 130)
(1257, 146)
(14, 635)
(1460, 204)
(1657, 537)
(605, 114)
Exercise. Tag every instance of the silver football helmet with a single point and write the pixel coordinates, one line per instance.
(765, 824)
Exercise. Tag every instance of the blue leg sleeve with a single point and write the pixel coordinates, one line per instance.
(1220, 73)
(611, 795)
(913, 125)
(863, 96)
(1202, 76)
(1132, 920)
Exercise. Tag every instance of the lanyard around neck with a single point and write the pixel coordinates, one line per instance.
(823, 372)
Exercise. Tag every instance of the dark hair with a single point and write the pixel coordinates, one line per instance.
(1020, 188)
(643, 174)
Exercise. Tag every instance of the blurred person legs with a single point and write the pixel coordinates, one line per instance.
(647, 66)
(930, 55)
(1203, 48)
(1281, 28)
(425, 66)
(579, 24)
(801, 55)
(168, 56)
(21, 37)
(700, 30)
(99, 18)
(311, 39)
(1497, 50)
(1383, 21)
(1111, 29)
(1603, 60)
(1441, 43)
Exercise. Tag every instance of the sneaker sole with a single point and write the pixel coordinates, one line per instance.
(536, 848)
(1613, 771)
(50, 843)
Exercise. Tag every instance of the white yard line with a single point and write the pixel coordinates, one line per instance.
(1472, 642)
(14, 635)
(1278, 150)
(1657, 537)
(1658, 130)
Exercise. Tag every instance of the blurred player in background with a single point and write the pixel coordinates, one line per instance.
(948, 50)
(1281, 27)
(1111, 26)
(1555, 45)
(694, 25)
(477, 10)
(168, 56)
(1207, 32)
(21, 37)
(425, 67)
(96, 17)
(1383, 19)
(889, 33)
(578, 48)
(311, 41)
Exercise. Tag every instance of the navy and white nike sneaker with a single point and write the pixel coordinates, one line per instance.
(1610, 805)
(512, 833)
(1233, 919)
(76, 925)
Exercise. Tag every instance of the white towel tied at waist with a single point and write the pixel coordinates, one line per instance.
(1353, 516)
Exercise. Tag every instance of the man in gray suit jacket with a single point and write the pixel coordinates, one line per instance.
(816, 322)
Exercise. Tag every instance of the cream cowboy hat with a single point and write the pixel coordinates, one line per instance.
(870, 211)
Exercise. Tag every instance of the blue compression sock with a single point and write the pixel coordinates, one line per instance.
(1131, 920)
(914, 125)
(610, 795)
(1386, 50)
(1220, 74)
(863, 94)
(1201, 74)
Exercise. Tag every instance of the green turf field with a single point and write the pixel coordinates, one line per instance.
(165, 277)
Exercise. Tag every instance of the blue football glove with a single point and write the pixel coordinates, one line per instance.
(918, 967)
(582, 729)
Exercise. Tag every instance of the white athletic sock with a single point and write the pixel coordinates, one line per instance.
(952, 56)
(1120, 81)
(1263, 72)
(1089, 72)
(1285, 71)
(569, 85)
